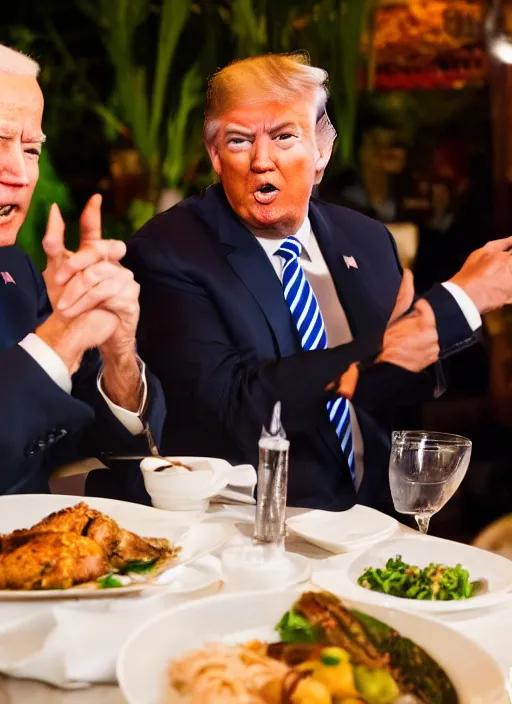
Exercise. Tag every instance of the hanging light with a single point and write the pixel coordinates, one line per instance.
(497, 34)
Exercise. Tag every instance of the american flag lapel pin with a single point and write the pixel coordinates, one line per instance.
(350, 262)
(7, 277)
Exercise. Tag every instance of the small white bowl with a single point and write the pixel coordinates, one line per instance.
(178, 489)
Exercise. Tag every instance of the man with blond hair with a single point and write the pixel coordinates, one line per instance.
(72, 385)
(255, 292)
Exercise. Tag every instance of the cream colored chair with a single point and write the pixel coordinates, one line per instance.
(70, 478)
(497, 537)
(407, 238)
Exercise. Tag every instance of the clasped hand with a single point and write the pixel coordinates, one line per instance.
(410, 339)
(94, 298)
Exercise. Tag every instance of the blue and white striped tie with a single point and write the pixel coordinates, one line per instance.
(306, 314)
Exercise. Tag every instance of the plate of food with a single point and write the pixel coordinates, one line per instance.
(423, 574)
(78, 551)
(301, 649)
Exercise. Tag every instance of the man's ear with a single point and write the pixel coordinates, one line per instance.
(213, 153)
(324, 152)
(325, 135)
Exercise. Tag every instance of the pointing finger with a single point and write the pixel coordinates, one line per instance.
(90, 220)
(53, 240)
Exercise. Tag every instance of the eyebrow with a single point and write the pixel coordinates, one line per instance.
(34, 138)
(6, 133)
(289, 124)
(234, 129)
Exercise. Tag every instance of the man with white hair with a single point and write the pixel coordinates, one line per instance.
(257, 293)
(61, 398)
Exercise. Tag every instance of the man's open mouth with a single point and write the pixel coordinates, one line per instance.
(266, 193)
(6, 210)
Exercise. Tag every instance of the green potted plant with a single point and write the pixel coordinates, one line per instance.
(139, 108)
(331, 31)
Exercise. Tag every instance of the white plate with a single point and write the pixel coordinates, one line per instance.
(202, 573)
(143, 661)
(421, 551)
(196, 540)
(242, 578)
(343, 531)
(23, 510)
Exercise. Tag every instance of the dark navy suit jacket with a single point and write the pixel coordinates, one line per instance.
(217, 332)
(41, 426)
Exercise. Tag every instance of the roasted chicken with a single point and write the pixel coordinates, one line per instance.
(52, 561)
(73, 546)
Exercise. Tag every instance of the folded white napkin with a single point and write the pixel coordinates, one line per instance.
(72, 644)
(241, 487)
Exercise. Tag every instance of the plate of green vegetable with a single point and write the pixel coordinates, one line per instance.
(426, 574)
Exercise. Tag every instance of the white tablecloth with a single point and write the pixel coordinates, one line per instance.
(491, 629)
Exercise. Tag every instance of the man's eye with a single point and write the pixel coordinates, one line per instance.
(237, 140)
(285, 135)
(33, 151)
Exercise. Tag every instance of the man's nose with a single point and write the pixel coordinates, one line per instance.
(262, 156)
(13, 168)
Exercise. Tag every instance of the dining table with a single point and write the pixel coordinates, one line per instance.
(490, 628)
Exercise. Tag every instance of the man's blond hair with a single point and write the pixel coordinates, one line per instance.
(16, 63)
(280, 78)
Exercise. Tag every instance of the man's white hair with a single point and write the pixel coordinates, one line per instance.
(16, 63)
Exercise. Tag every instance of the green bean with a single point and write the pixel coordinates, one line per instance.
(435, 582)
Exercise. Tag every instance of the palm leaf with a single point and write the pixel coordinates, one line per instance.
(249, 26)
(191, 96)
(174, 14)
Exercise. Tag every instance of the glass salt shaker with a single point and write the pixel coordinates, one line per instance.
(270, 524)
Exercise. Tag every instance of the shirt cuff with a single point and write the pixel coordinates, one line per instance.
(48, 359)
(131, 420)
(466, 305)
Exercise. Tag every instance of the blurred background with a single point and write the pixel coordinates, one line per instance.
(421, 100)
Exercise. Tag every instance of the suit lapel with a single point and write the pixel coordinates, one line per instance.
(364, 314)
(251, 264)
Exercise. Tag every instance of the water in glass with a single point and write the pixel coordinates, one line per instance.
(425, 471)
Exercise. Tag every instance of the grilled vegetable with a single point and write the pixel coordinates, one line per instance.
(385, 662)
(376, 686)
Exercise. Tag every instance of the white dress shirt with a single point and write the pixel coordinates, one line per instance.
(53, 365)
(335, 321)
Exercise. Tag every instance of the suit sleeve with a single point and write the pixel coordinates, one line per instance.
(34, 413)
(384, 385)
(107, 435)
(185, 342)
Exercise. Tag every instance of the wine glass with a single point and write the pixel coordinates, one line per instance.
(425, 471)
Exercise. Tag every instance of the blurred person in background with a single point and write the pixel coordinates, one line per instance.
(72, 385)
